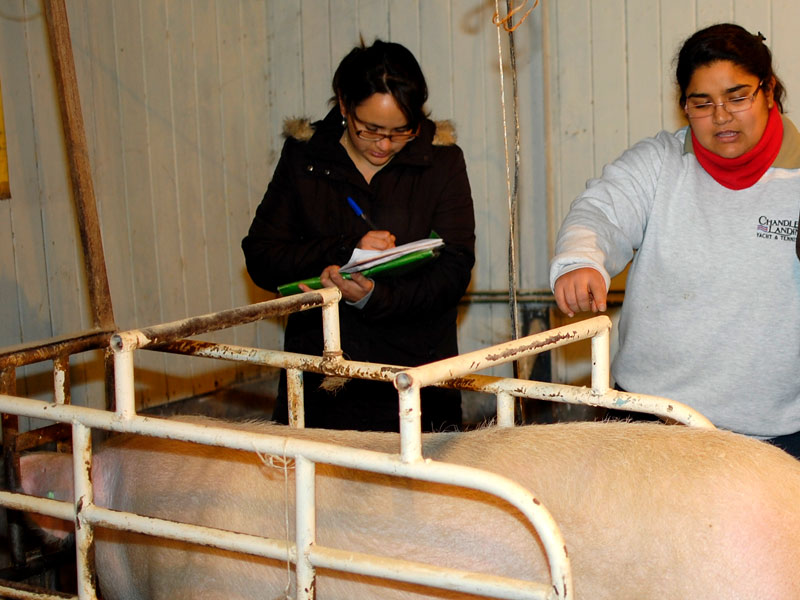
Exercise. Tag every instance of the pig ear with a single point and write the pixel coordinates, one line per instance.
(48, 475)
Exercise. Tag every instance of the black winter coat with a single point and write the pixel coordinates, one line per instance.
(304, 224)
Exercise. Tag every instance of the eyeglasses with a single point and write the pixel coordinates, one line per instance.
(375, 136)
(731, 105)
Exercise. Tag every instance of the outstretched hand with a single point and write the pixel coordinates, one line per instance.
(581, 290)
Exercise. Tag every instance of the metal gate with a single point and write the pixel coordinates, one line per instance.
(459, 371)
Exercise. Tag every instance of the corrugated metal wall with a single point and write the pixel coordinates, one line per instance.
(183, 103)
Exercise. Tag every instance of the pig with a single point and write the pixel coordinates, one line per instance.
(647, 511)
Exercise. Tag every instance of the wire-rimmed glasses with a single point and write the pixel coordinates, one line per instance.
(731, 105)
(376, 136)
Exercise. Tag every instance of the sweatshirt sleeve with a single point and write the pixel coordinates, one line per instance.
(607, 222)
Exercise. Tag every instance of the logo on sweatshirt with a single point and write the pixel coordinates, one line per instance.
(777, 229)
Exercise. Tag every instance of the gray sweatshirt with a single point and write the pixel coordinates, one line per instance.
(711, 315)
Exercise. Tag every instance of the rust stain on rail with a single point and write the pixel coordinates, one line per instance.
(532, 346)
(175, 330)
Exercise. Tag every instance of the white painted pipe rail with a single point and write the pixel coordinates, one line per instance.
(458, 372)
(84, 497)
(125, 343)
(477, 360)
(410, 381)
(520, 388)
(306, 453)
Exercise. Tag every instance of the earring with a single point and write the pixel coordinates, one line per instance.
(344, 121)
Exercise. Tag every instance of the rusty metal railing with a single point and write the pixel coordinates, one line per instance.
(305, 553)
(459, 372)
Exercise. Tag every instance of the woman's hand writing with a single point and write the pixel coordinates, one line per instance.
(376, 239)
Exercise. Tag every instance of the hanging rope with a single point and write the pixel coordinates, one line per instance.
(5, 186)
(506, 21)
(512, 183)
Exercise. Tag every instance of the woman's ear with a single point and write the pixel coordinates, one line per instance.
(342, 108)
(768, 87)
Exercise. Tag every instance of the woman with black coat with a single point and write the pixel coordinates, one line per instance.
(377, 147)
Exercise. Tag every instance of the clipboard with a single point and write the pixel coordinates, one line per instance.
(396, 266)
(365, 259)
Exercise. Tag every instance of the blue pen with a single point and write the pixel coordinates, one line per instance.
(360, 213)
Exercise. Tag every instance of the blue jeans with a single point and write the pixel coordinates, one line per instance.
(790, 443)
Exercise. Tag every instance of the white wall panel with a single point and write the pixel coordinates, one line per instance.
(316, 55)
(144, 230)
(344, 30)
(186, 161)
(643, 85)
(609, 81)
(782, 39)
(373, 19)
(184, 103)
(405, 19)
(184, 106)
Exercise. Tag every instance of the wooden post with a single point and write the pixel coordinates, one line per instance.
(78, 156)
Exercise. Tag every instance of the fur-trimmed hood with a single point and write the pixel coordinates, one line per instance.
(302, 129)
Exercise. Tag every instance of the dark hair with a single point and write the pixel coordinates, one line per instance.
(733, 43)
(383, 68)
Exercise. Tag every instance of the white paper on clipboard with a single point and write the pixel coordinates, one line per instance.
(364, 259)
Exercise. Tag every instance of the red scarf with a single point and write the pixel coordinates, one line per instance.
(743, 171)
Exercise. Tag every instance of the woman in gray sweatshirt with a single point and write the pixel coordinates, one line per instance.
(708, 217)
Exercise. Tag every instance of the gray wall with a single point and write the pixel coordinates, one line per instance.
(183, 103)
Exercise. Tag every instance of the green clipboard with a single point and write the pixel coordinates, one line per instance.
(396, 266)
